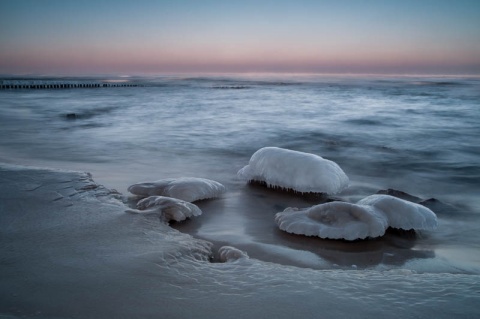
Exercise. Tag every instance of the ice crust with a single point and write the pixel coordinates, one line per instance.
(370, 217)
(189, 189)
(401, 213)
(302, 172)
(167, 208)
(336, 220)
(229, 253)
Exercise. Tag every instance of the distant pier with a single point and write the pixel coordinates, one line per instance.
(35, 84)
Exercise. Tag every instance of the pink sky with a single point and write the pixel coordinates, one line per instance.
(55, 37)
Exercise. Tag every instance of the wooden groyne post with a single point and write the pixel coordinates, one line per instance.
(18, 85)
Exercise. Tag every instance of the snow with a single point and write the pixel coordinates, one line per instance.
(189, 189)
(302, 172)
(370, 217)
(335, 220)
(167, 208)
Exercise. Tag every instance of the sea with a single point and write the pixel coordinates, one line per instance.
(414, 136)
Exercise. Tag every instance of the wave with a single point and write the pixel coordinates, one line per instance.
(439, 83)
(88, 114)
(363, 121)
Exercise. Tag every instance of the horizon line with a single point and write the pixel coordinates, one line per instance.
(239, 73)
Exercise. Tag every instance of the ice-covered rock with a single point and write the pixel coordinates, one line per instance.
(335, 220)
(302, 172)
(229, 253)
(167, 208)
(400, 194)
(370, 217)
(189, 189)
(402, 214)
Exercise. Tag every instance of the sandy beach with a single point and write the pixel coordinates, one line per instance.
(69, 250)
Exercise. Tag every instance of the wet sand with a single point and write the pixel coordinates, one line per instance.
(69, 250)
(244, 218)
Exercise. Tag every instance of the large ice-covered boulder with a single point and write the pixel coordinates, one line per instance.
(301, 172)
(370, 217)
(335, 220)
(167, 208)
(402, 214)
(189, 189)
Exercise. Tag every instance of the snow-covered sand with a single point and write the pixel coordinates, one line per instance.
(68, 249)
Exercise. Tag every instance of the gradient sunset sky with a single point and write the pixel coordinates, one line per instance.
(68, 37)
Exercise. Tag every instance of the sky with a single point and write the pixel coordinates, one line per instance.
(65, 37)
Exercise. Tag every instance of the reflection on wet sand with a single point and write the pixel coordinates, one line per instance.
(244, 218)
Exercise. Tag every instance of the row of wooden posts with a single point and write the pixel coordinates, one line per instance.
(63, 85)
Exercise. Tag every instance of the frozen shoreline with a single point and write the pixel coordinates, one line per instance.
(68, 249)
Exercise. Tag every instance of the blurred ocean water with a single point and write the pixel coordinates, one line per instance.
(415, 134)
